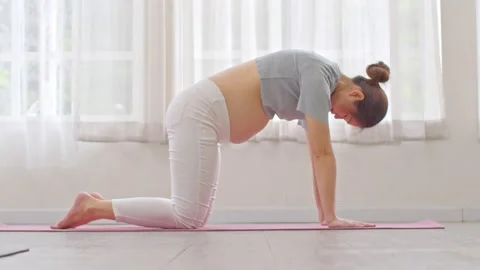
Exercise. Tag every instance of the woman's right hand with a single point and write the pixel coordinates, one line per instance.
(344, 223)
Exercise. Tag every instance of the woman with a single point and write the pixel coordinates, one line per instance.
(232, 106)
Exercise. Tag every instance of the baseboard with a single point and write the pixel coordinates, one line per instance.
(45, 217)
(471, 214)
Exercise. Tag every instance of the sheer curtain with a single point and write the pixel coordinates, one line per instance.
(36, 124)
(74, 71)
(70, 71)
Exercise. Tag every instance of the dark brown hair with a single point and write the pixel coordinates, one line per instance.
(373, 108)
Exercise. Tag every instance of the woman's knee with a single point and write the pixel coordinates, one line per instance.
(190, 218)
(187, 223)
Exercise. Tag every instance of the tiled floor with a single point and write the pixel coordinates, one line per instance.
(456, 247)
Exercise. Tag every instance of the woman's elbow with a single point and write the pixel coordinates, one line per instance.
(323, 154)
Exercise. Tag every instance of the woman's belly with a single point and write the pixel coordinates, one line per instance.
(241, 88)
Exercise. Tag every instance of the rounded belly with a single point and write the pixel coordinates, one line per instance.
(241, 88)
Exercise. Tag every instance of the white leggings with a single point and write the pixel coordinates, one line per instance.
(197, 122)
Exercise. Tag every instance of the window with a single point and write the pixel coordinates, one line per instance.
(55, 52)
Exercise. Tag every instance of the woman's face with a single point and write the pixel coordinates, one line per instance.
(344, 105)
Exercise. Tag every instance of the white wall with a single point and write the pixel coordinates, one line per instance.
(269, 175)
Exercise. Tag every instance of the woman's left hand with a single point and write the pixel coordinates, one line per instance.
(345, 223)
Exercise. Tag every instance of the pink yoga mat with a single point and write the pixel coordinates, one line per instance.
(426, 224)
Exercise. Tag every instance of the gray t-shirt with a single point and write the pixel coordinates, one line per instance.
(295, 83)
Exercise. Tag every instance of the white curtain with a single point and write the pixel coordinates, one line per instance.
(405, 34)
(36, 123)
(105, 71)
(71, 71)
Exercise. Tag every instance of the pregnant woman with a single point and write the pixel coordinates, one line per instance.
(231, 107)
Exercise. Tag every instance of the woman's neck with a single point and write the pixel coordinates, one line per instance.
(344, 82)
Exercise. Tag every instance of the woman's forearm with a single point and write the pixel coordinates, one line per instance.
(318, 201)
(325, 178)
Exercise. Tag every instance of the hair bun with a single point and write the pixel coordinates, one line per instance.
(379, 72)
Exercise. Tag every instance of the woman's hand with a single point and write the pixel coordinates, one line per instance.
(344, 223)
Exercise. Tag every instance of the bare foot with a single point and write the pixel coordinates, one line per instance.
(79, 214)
(97, 195)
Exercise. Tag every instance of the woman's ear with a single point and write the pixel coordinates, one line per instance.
(356, 94)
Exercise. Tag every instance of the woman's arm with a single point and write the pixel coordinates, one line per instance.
(324, 168)
(318, 202)
(325, 186)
